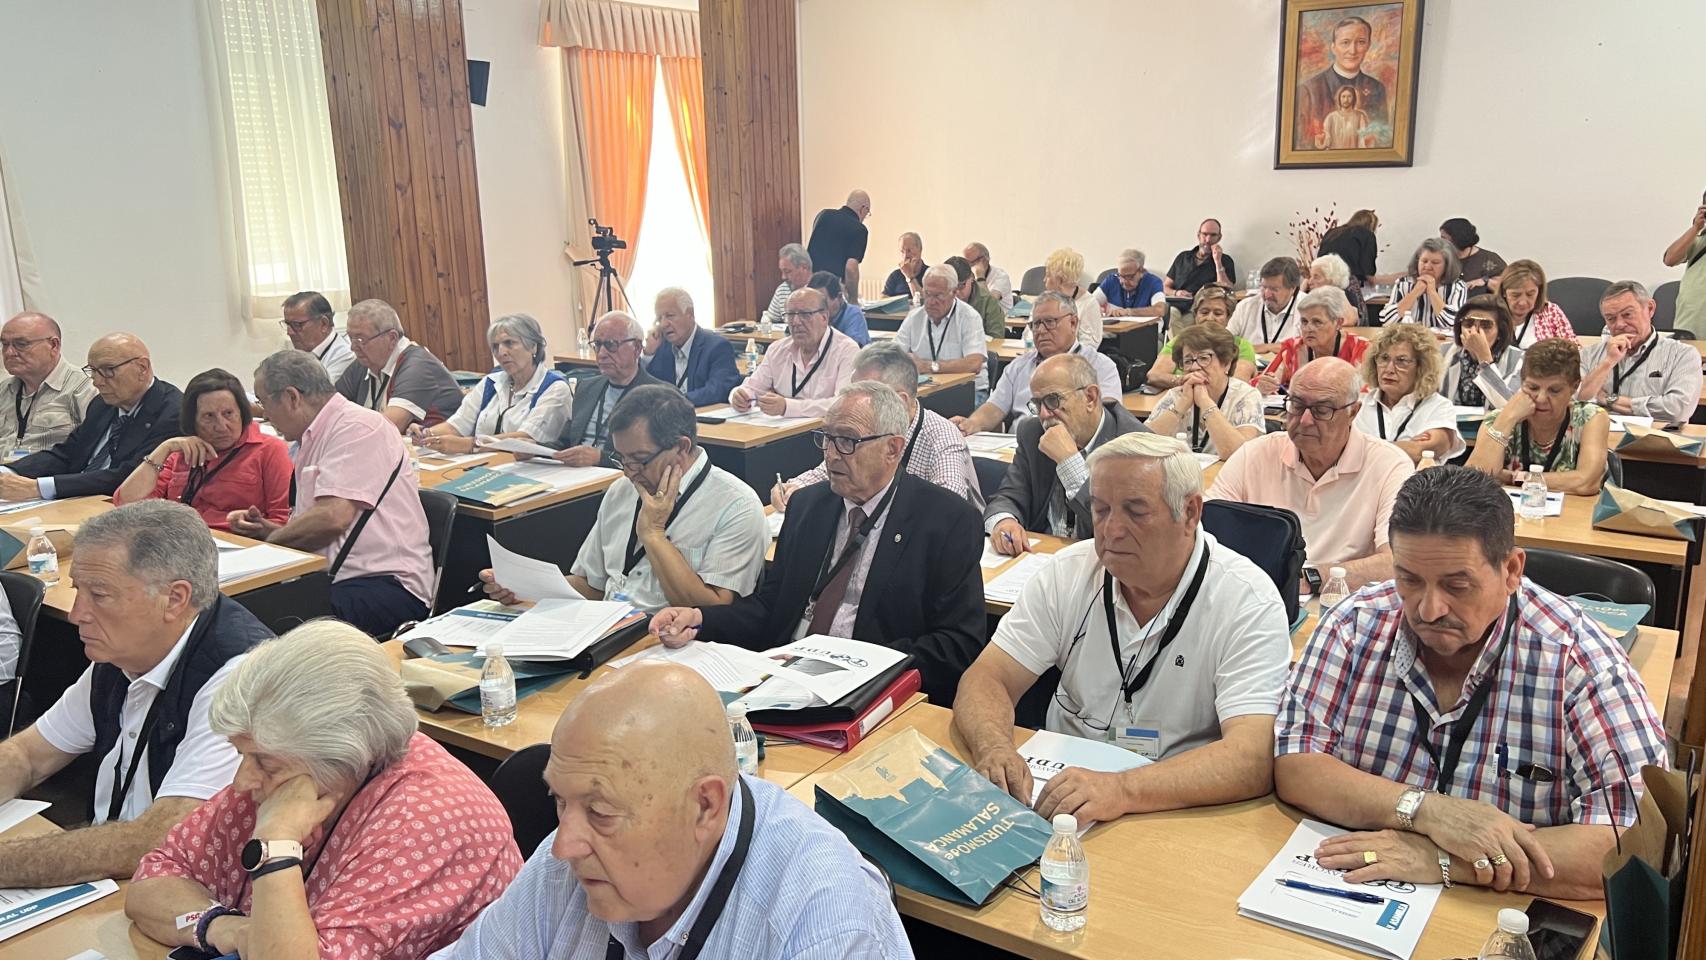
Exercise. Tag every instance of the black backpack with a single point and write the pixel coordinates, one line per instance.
(1269, 537)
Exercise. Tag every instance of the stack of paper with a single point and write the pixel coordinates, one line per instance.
(1048, 753)
(991, 559)
(21, 909)
(250, 561)
(1012, 580)
(467, 626)
(818, 670)
(526, 448)
(557, 629)
(557, 476)
(726, 667)
(753, 417)
(992, 442)
(1468, 413)
(22, 505)
(433, 461)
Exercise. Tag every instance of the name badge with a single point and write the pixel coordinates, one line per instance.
(1141, 740)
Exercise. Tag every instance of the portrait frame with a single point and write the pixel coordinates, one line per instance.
(1318, 124)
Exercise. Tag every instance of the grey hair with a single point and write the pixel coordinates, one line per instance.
(796, 255)
(1079, 368)
(982, 251)
(1453, 268)
(1334, 267)
(164, 541)
(888, 411)
(1621, 287)
(1133, 255)
(683, 300)
(524, 328)
(941, 271)
(324, 695)
(294, 368)
(915, 238)
(635, 331)
(1181, 475)
(1330, 299)
(889, 363)
(1059, 299)
(382, 315)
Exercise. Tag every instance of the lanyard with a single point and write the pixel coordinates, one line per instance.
(1199, 442)
(930, 331)
(1284, 317)
(718, 898)
(1618, 375)
(23, 413)
(598, 412)
(1177, 623)
(1520, 334)
(1446, 768)
(121, 786)
(1338, 342)
(200, 476)
(854, 542)
(1557, 445)
(822, 355)
(1380, 415)
(331, 339)
(632, 555)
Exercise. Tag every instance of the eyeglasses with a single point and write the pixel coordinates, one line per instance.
(793, 315)
(1322, 412)
(611, 346)
(356, 341)
(1050, 401)
(1198, 360)
(1045, 323)
(20, 345)
(295, 326)
(843, 445)
(1313, 323)
(1396, 363)
(107, 372)
(938, 294)
(635, 466)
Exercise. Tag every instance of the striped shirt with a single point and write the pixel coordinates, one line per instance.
(939, 455)
(1567, 699)
(1422, 311)
(804, 893)
(779, 302)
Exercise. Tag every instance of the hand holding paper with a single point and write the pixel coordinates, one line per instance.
(527, 578)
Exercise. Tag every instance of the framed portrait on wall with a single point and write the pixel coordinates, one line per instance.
(1347, 84)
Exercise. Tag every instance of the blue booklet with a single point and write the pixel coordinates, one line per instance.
(493, 488)
(1622, 621)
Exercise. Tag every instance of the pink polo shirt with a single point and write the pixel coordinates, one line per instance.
(349, 452)
(1344, 514)
(790, 373)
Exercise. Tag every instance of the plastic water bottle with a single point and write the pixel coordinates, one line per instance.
(1030, 341)
(765, 326)
(1253, 282)
(751, 356)
(746, 742)
(497, 688)
(43, 558)
(1534, 494)
(1066, 877)
(1510, 941)
(1428, 460)
(1335, 590)
(583, 341)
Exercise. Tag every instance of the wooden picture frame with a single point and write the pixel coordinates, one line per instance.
(1366, 119)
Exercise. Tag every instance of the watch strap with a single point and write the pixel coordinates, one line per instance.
(207, 917)
(275, 865)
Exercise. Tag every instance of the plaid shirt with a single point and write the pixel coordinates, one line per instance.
(940, 456)
(1567, 699)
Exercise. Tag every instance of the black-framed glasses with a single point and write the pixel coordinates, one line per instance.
(20, 344)
(635, 466)
(1200, 360)
(793, 315)
(843, 445)
(1322, 412)
(611, 346)
(109, 371)
(1050, 401)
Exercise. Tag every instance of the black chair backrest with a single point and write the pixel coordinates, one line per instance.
(519, 784)
(1664, 296)
(440, 508)
(1269, 537)
(990, 473)
(1031, 283)
(1568, 574)
(24, 595)
(1578, 297)
(1105, 274)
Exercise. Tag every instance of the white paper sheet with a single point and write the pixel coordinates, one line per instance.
(1468, 413)
(22, 909)
(992, 442)
(753, 417)
(1619, 421)
(727, 668)
(1048, 753)
(514, 445)
(816, 670)
(249, 561)
(22, 505)
(991, 559)
(433, 461)
(774, 523)
(1006, 587)
(467, 626)
(556, 629)
(14, 812)
(527, 578)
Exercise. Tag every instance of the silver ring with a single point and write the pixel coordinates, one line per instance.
(1483, 863)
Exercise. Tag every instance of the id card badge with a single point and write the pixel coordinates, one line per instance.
(1145, 741)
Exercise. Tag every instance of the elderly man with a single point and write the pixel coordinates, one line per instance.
(945, 335)
(972, 292)
(993, 277)
(308, 321)
(795, 265)
(935, 451)
(161, 640)
(661, 842)
(1201, 264)
(1268, 319)
(907, 279)
(1472, 726)
(1319, 95)
(905, 571)
(393, 376)
(1634, 370)
(700, 363)
(1198, 697)
(587, 440)
(1320, 333)
(1339, 481)
(357, 503)
(838, 238)
(673, 529)
(49, 397)
(1054, 330)
(134, 414)
(798, 376)
(1131, 291)
(844, 314)
(1047, 489)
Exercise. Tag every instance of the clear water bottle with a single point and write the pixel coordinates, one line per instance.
(43, 558)
(497, 688)
(1510, 941)
(765, 326)
(583, 341)
(1253, 282)
(1066, 877)
(1534, 493)
(1428, 460)
(1184, 437)
(1030, 341)
(746, 742)
(1335, 589)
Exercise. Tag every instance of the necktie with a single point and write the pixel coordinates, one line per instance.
(829, 601)
(113, 437)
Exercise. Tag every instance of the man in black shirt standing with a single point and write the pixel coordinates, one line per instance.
(838, 239)
(1203, 263)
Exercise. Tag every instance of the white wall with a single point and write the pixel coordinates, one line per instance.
(1564, 129)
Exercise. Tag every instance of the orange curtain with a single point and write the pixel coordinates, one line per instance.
(684, 84)
(616, 97)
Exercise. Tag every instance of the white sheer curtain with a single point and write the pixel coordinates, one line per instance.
(283, 179)
(11, 283)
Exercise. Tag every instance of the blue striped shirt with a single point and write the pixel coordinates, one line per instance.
(803, 894)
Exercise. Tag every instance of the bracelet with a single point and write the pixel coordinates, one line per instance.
(1498, 436)
(282, 863)
(207, 917)
(1445, 869)
(157, 466)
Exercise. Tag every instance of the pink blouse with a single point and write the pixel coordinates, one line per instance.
(1546, 323)
(418, 852)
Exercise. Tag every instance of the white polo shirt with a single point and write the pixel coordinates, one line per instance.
(205, 762)
(959, 335)
(1230, 659)
(1412, 415)
(720, 530)
(1251, 312)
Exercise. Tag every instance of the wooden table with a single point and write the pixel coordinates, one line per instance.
(100, 926)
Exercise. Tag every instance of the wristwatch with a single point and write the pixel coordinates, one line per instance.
(257, 853)
(935, 367)
(1610, 399)
(1409, 803)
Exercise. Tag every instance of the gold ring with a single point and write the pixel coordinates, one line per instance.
(1483, 863)
(1369, 856)
(1501, 860)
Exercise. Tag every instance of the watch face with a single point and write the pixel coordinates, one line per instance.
(252, 853)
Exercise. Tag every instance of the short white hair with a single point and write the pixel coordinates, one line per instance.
(382, 315)
(1330, 299)
(888, 410)
(796, 255)
(635, 331)
(943, 272)
(1334, 268)
(683, 299)
(1132, 255)
(1181, 475)
(324, 695)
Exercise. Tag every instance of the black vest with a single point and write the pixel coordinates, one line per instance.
(223, 631)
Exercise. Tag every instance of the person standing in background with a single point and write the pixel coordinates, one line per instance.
(838, 239)
(1688, 250)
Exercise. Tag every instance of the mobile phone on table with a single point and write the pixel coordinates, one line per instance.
(193, 953)
(1556, 931)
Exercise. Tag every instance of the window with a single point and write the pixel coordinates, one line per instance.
(674, 251)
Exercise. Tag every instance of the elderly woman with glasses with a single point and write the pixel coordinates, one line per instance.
(345, 834)
(1432, 291)
(1545, 425)
(1210, 409)
(524, 398)
(1402, 404)
(1483, 364)
(1320, 333)
(1213, 304)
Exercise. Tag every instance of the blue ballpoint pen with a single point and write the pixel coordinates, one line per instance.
(1358, 896)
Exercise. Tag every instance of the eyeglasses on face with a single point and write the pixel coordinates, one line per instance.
(632, 464)
(611, 346)
(1396, 363)
(1200, 360)
(1045, 323)
(20, 344)
(795, 316)
(108, 372)
(359, 341)
(1050, 401)
(843, 445)
(1322, 412)
(294, 326)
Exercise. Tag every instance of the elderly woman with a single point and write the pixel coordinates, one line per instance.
(1330, 270)
(1210, 409)
(222, 463)
(1431, 292)
(1320, 334)
(1522, 287)
(496, 407)
(1403, 403)
(345, 833)
(1544, 425)
(1063, 273)
(1483, 365)
(1212, 305)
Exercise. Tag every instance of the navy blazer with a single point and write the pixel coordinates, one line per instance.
(67, 462)
(711, 371)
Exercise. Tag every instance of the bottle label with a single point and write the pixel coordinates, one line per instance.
(1065, 897)
(497, 695)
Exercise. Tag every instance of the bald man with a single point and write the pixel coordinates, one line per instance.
(133, 414)
(652, 816)
(838, 240)
(44, 397)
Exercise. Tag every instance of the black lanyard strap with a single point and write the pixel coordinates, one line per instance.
(632, 555)
(1180, 614)
(1199, 443)
(1618, 375)
(122, 785)
(1445, 768)
(25, 412)
(1380, 414)
(823, 355)
(1528, 451)
(930, 332)
(1284, 317)
(854, 542)
(200, 476)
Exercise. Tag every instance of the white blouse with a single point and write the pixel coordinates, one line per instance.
(1412, 416)
(541, 414)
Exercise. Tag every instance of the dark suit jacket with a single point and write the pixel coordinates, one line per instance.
(923, 595)
(589, 396)
(1032, 479)
(67, 462)
(711, 371)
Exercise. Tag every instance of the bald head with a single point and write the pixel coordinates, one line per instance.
(121, 369)
(859, 202)
(663, 717)
(1327, 378)
(30, 344)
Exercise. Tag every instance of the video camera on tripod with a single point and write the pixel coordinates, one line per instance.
(604, 238)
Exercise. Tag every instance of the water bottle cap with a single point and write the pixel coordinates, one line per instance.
(1536, 468)
(1513, 921)
(1065, 823)
(1427, 454)
(38, 531)
(1335, 572)
(494, 649)
(735, 711)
